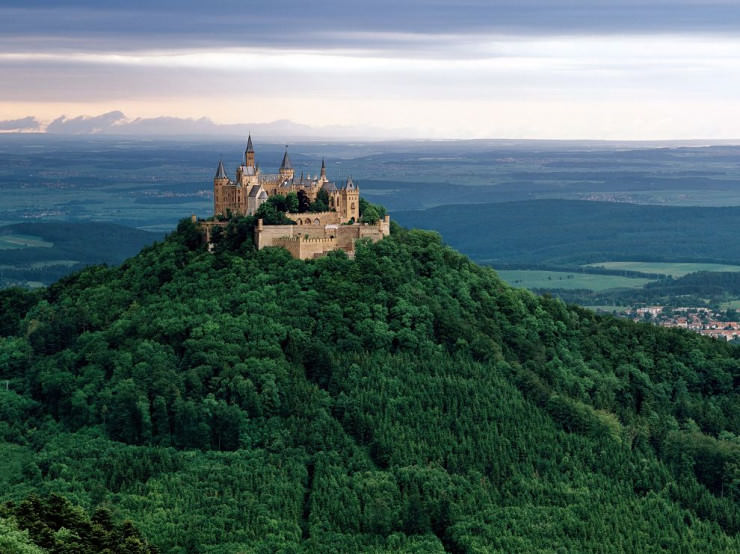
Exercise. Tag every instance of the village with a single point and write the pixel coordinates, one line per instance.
(719, 324)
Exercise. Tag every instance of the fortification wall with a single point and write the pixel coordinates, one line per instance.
(319, 239)
(306, 248)
(208, 226)
(315, 219)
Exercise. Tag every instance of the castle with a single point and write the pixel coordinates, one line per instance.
(252, 188)
(314, 233)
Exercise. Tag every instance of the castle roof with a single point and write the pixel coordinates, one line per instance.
(255, 191)
(286, 161)
(349, 185)
(329, 187)
(250, 148)
(220, 172)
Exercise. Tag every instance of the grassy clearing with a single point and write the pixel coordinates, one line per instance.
(675, 269)
(12, 242)
(536, 279)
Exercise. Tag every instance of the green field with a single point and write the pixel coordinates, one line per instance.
(674, 269)
(536, 279)
(12, 242)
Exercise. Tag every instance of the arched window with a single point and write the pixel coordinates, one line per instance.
(316, 221)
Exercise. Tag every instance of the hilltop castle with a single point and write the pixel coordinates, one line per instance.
(314, 233)
(252, 188)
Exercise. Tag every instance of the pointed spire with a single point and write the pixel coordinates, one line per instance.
(250, 148)
(323, 164)
(322, 175)
(220, 172)
(286, 160)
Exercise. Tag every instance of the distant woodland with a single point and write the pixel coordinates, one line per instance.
(570, 232)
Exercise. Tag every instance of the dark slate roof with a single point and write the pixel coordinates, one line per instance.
(329, 187)
(349, 185)
(286, 161)
(323, 165)
(254, 192)
(250, 148)
(220, 172)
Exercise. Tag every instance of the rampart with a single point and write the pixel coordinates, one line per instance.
(334, 236)
(304, 248)
(317, 219)
(307, 240)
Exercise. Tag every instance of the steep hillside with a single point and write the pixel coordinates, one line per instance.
(404, 401)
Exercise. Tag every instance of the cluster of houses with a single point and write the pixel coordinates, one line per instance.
(705, 321)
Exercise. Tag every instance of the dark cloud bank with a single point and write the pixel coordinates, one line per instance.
(137, 24)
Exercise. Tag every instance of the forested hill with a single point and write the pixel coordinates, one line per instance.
(403, 401)
(580, 232)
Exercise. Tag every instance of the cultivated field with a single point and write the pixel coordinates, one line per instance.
(674, 269)
(536, 279)
(11, 242)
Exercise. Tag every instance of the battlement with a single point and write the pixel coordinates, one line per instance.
(311, 241)
(307, 240)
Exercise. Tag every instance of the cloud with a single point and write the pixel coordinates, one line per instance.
(85, 125)
(29, 123)
(116, 123)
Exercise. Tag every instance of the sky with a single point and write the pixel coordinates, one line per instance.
(544, 69)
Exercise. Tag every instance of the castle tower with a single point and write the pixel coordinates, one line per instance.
(322, 177)
(249, 153)
(286, 168)
(350, 201)
(219, 181)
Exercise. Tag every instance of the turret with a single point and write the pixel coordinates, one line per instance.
(220, 174)
(322, 177)
(286, 168)
(219, 181)
(249, 153)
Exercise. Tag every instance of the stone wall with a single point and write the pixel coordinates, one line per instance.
(304, 248)
(318, 219)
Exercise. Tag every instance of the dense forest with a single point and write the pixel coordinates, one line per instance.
(406, 400)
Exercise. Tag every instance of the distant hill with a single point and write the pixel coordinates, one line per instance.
(578, 232)
(403, 401)
(64, 247)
